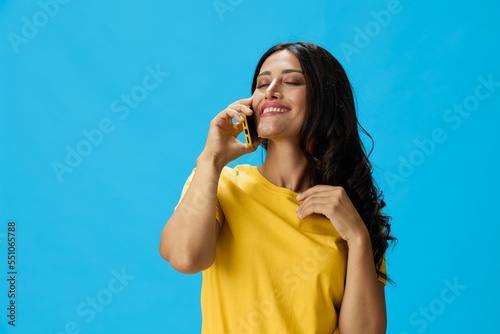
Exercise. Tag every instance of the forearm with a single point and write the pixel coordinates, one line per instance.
(363, 307)
(189, 238)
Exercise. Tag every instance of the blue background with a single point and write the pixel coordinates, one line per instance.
(78, 230)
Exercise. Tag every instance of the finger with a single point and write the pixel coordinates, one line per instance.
(256, 143)
(327, 193)
(246, 101)
(309, 192)
(247, 110)
(254, 147)
(315, 190)
(243, 149)
(332, 198)
(315, 205)
(246, 105)
(233, 113)
(242, 108)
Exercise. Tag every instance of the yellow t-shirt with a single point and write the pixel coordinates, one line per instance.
(273, 273)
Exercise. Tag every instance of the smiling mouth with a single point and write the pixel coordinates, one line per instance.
(274, 110)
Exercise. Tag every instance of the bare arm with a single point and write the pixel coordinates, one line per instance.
(363, 307)
(189, 238)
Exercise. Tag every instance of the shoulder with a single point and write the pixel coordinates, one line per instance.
(237, 172)
(240, 177)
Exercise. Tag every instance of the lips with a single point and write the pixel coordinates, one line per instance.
(273, 108)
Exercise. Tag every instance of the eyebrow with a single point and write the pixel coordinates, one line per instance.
(282, 72)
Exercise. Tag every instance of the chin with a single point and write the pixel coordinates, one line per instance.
(270, 130)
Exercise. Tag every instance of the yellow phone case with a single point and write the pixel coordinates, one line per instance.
(246, 131)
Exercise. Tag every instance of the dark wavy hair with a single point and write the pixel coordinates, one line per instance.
(330, 139)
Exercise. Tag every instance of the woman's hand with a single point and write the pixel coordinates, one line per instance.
(333, 203)
(222, 146)
(363, 307)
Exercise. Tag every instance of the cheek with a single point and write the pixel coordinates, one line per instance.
(256, 100)
(303, 99)
(257, 94)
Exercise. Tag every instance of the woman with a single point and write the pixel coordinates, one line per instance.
(297, 244)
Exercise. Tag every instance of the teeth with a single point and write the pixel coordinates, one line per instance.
(274, 109)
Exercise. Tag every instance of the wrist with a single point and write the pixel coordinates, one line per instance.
(209, 160)
(360, 241)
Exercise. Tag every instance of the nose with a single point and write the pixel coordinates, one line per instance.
(273, 92)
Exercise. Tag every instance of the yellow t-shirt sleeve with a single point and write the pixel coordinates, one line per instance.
(219, 214)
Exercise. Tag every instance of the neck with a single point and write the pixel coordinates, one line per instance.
(286, 166)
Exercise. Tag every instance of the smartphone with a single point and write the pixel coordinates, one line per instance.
(249, 129)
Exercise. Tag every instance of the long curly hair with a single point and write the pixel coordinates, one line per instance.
(330, 139)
